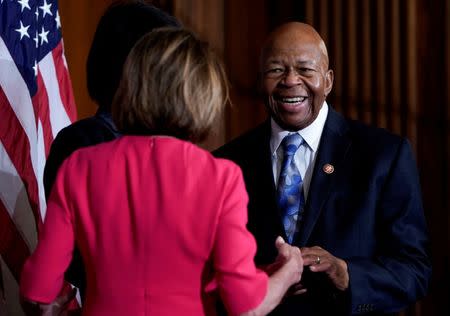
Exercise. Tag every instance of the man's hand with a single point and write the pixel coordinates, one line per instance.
(55, 308)
(320, 260)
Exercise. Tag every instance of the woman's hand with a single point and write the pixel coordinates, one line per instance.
(283, 273)
(56, 308)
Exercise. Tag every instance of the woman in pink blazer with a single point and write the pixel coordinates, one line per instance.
(160, 222)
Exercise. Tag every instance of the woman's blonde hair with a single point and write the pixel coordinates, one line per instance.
(172, 84)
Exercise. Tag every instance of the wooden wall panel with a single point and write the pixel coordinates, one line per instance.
(412, 71)
(206, 18)
(395, 71)
(373, 50)
(380, 79)
(246, 26)
(334, 49)
(366, 69)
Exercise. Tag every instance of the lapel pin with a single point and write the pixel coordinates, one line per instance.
(328, 169)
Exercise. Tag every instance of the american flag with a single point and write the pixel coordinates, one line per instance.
(36, 101)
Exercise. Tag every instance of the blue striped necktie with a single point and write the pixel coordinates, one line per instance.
(290, 197)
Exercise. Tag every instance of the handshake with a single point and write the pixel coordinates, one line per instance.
(286, 273)
(284, 277)
(287, 268)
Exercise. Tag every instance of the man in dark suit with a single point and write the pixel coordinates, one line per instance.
(358, 214)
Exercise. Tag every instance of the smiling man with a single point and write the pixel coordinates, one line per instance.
(347, 193)
(295, 75)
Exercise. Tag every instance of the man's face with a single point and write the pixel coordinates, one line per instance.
(295, 79)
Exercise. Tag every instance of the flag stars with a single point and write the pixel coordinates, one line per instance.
(58, 20)
(24, 4)
(37, 13)
(43, 36)
(35, 68)
(36, 39)
(46, 9)
(23, 30)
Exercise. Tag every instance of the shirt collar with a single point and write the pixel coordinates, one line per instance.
(311, 134)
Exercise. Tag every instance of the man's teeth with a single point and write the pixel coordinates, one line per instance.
(293, 100)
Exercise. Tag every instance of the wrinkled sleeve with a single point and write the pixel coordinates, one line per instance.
(43, 273)
(241, 285)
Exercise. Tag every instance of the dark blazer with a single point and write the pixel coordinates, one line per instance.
(86, 132)
(367, 212)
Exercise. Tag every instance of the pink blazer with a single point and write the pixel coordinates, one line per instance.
(158, 221)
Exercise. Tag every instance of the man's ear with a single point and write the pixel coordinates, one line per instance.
(329, 79)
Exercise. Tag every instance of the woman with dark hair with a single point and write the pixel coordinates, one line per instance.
(172, 227)
(121, 26)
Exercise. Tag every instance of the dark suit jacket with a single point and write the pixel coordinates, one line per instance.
(87, 132)
(368, 212)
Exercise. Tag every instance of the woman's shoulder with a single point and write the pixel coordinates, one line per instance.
(196, 158)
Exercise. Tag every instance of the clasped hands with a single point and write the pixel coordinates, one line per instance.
(317, 259)
(56, 308)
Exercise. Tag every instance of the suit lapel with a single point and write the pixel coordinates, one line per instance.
(334, 145)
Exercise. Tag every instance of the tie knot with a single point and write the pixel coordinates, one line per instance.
(291, 143)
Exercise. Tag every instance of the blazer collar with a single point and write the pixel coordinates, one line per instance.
(333, 148)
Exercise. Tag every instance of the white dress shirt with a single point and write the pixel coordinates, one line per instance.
(305, 156)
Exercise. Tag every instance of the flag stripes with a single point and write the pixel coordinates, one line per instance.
(36, 102)
(17, 150)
